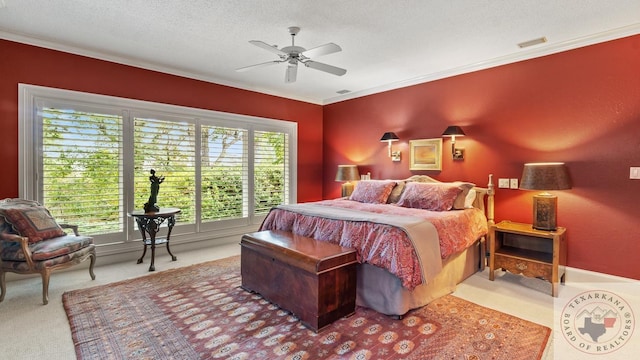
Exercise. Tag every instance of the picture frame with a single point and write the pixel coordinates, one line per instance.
(425, 154)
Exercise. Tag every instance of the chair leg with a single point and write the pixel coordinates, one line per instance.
(93, 261)
(46, 273)
(3, 285)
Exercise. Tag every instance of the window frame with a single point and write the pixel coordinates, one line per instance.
(30, 140)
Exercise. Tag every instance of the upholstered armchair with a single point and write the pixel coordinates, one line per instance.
(32, 242)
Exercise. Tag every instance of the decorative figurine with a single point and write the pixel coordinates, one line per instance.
(151, 206)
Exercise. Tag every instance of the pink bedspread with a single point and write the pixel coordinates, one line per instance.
(384, 245)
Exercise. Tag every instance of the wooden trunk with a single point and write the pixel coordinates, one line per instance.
(314, 280)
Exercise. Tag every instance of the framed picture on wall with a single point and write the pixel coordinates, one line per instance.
(426, 154)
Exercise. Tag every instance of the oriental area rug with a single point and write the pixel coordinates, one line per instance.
(201, 312)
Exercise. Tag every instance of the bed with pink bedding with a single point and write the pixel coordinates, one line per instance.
(415, 239)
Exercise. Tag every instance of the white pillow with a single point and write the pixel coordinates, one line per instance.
(471, 197)
(460, 202)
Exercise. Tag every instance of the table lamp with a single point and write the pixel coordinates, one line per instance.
(347, 173)
(545, 176)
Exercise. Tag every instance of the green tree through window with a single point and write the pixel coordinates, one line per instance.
(81, 168)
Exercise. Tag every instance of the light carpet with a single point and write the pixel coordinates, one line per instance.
(200, 312)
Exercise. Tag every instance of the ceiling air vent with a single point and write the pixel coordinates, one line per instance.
(342, 92)
(537, 41)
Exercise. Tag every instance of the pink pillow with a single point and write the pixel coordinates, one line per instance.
(372, 191)
(429, 196)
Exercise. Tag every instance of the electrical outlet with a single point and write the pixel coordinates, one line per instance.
(513, 184)
(503, 183)
(634, 173)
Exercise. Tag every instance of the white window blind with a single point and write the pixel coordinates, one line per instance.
(168, 147)
(81, 164)
(271, 162)
(88, 158)
(224, 173)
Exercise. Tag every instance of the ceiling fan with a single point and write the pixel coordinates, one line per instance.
(293, 55)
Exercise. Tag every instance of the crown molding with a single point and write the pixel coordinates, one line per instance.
(524, 54)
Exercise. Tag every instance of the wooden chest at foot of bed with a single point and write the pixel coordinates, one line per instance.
(314, 280)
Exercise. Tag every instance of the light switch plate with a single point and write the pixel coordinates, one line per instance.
(513, 184)
(634, 172)
(503, 183)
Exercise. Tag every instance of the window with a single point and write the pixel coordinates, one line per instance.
(81, 167)
(88, 159)
(270, 170)
(168, 147)
(224, 173)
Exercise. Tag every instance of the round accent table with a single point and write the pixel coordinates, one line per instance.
(149, 223)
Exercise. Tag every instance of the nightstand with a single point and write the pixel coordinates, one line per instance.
(521, 249)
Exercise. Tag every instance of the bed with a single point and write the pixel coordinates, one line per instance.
(415, 238)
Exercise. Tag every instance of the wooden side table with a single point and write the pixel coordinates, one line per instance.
(149, 223)
(521, 249)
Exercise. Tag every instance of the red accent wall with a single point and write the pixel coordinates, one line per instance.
(20, 63)
(581, 107)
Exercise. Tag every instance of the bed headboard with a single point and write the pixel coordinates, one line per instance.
(481, 194)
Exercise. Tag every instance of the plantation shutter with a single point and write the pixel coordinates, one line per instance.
(168, 147)
(81, 168)
(88, 158)
(271, 164)
(224, 176)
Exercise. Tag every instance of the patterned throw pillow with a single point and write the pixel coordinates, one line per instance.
(372, 191)
(396, 192)
(429, 196)
(34, 222)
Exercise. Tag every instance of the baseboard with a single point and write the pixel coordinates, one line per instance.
(176, 248)
(576, 275)
(134, 253)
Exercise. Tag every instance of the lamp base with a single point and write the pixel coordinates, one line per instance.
(347, 189)
(545, 207)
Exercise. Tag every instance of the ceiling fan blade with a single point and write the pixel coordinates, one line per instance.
(325, 49)
(264, 45)
(292, 73)
(258, 65)
(326, 68)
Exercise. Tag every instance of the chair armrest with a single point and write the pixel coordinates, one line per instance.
(12, 237)
(24, 246)
(72, 227)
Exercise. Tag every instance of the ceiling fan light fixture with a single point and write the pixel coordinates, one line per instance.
(292, 72)
(294, 30)
(293, 55)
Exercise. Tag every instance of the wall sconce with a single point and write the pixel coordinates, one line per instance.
(453, 131)
(347, 173)
(545, 176)
(390, 137)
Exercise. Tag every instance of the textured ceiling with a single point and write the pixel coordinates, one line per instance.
(385, 44)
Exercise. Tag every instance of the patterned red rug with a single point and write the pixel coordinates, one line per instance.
(200, 312)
